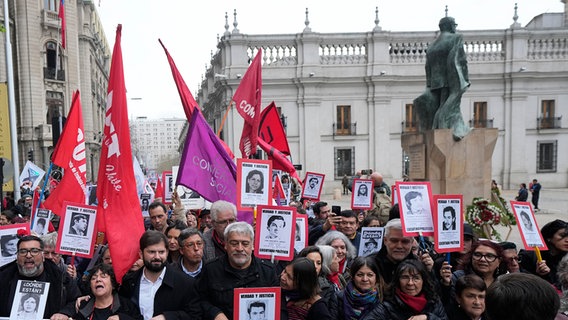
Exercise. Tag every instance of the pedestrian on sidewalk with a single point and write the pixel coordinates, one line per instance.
(535, 191)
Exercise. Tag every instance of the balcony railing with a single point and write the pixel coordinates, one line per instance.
(346, 129)
(481, 123)
(49, 73)
(549, 123)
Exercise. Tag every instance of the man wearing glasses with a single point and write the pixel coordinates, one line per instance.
(223, 213)
(30, 264)
(191, 248)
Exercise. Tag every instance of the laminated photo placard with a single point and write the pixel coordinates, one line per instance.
(257, 303)
(30, 300)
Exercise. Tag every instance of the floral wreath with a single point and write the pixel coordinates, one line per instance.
(482, 215)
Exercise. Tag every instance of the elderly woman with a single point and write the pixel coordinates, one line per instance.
(330, 267)
(103, 301)
(555, 234)
(411, 296)
(300, 286)
(363, 292)
(343, 247)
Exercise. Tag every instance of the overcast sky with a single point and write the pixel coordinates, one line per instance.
(189, 31)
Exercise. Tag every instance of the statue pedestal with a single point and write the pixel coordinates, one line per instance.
(452, 167)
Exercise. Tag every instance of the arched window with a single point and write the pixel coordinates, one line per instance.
(53, 63)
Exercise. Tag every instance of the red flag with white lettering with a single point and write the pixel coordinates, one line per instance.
(247, 100)
(69, 154)
(118, 199)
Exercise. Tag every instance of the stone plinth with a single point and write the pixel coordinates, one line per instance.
(452, 167)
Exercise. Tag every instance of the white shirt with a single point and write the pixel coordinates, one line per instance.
(192, 274)
(147, 293)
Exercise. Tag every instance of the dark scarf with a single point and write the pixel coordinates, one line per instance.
(416, 303)
(356, 303)
(219, 240)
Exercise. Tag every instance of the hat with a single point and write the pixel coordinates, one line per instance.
(468, 230)
(506, 245)
(550, 228)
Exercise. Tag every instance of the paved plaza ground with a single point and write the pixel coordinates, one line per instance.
(553, 204)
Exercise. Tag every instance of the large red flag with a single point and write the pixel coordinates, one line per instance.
(187, 100)
(118, 199)
(63, 24)
(70, 155)
(271, 129)
(247, 100)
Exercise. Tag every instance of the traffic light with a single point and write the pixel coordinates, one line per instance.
(31, 155)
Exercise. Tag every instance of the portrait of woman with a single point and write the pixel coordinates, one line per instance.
(29, 305)
(255, 182)
(9, 245)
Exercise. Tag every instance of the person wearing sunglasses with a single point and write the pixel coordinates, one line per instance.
(31, 265)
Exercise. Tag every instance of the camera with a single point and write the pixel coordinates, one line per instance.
(367, 172)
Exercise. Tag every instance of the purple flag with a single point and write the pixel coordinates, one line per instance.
(206, 167)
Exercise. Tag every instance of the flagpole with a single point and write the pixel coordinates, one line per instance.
(12, 104)
(224, 118)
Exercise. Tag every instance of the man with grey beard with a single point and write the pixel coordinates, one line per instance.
(31, 265)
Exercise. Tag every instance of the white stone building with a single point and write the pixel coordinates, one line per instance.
(156, 141)
(346, 98)
(46, 74)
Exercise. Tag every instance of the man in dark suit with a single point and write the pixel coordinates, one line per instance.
(175, 297)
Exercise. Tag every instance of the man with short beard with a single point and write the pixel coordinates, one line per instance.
(31, 265)
(238, 268)
(161, 291)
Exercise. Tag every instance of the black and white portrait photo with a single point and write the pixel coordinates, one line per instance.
(527, 225)
(275, 232)
(313, 185)
(448, 219)
(78, 224)
(254, 183)
(415, 207)
(362, 196)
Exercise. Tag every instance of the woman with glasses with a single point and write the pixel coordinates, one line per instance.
(486, 261)
(363, 292)
(411, 296)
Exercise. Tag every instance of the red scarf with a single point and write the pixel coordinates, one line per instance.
(416, 303)
(334, 278)
(217, 239)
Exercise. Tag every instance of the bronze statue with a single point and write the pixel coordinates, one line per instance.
(446, 81)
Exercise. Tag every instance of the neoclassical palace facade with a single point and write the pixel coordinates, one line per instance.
(347, 98)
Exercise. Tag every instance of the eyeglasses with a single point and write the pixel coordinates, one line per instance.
(407, 278)
(518, 259)
(33, 251)
(198, 244)
(224, 222)
(488, 257)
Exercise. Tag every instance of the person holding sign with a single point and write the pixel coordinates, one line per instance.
(555, 235)
(31, 265)
(103, 302)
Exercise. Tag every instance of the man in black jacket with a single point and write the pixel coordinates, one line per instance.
(159, 290)
(238, 268)
(30, 265)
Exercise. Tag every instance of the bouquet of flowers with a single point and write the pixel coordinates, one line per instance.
(483, 215)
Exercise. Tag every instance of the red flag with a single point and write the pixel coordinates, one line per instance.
(118, 199)
(247, 99)
(279, 160)
(271, 129)
(159, 191)
(187, 100)
(63, 24)
(278, 191)
(70, 155)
